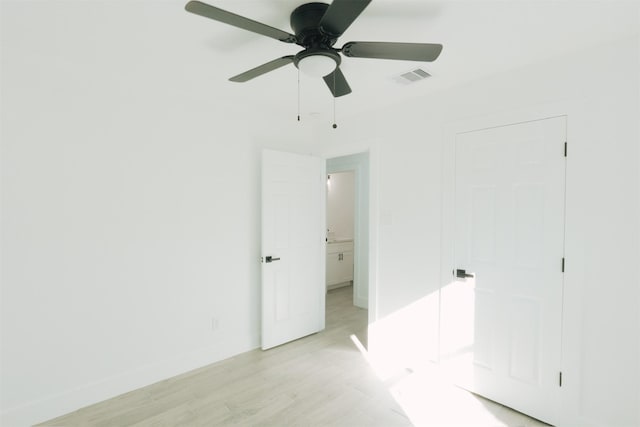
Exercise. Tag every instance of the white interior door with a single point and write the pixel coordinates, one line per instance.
(509, 207)
(293, 246)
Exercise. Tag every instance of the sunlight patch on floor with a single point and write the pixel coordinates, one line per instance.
(431, 401)
(428, 398)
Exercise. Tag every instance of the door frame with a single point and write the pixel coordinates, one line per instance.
(447, 249)
(499, 382)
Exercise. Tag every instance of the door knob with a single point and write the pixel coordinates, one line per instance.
(271, 259)
(462, 274)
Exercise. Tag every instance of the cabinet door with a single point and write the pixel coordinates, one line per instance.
(346, 267)
(333, 269)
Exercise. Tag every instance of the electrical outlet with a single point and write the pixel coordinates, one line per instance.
(214, 323)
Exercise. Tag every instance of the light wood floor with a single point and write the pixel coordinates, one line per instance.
(320, 380)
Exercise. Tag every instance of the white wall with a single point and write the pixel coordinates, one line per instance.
(410, 145)
(340, 205)
(130, 208)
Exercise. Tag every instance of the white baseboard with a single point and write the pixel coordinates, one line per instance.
(339, 285)
(361, 302)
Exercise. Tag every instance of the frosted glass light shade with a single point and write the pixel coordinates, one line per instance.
(317, 65)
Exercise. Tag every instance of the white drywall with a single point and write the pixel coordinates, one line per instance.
(340, 204)
(130, 210)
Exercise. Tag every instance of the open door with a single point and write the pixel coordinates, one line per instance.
(293, 246)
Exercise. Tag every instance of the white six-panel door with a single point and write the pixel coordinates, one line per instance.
(293, 236)
(509, 208)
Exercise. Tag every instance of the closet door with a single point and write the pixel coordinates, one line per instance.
(506, 303)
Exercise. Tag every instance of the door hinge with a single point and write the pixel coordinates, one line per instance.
(563, 265)
(560, 379)
(565, 148)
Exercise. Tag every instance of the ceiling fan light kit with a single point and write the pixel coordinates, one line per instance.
(317, 27)
(317, 62)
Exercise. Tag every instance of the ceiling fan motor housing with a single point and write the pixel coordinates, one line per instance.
(305, 22)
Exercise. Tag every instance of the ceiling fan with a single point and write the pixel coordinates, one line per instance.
(317, 27)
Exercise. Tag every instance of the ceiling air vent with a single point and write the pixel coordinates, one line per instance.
(413, 76)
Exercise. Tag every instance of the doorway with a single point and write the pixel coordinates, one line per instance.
(340, 221)
(293, 218)
(355, 166)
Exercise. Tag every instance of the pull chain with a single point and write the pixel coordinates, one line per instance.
(334, 99)
(298, 94)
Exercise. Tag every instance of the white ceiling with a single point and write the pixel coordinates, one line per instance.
(479, 37)
(158, 49)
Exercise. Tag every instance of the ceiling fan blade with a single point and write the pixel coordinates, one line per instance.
(220, 15)
(387, 50)
(337, 83)
(262, 69)
(340, 15)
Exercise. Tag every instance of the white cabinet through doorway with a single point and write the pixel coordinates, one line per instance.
(339, 263)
